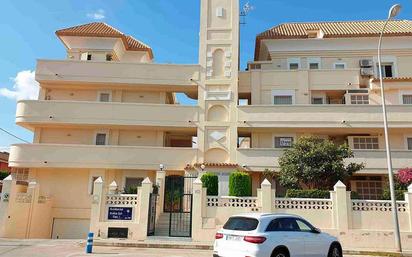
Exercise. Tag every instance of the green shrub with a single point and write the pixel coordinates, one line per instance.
(130, 190)
(399, 194)
(240, 184)
(307, 193)
(3, 174)
(211, 182)
(354, 195)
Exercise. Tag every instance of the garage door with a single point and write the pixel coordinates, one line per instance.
(70, 228)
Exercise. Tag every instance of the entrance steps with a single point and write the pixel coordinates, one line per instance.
(162, 225)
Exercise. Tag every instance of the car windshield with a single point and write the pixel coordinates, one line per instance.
(241, 224)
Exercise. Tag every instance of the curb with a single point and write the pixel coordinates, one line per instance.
(165, 245)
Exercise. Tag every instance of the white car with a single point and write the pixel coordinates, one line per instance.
(273, 235)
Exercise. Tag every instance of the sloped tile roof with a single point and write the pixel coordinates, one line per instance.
(335, 29)
(101, 29)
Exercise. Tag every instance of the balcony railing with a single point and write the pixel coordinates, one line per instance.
(117, 72)
(97, 113)
(334, 116)
(100, 157)
(374, 160)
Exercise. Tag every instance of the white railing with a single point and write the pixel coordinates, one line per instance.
(377, 205)
(43, 199)
(23, 198)
(303, 203)
(231, 201)
(122, 199)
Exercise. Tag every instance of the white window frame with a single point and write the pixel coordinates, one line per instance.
(274, 136)
(316, 60)
(290, 92)
(101, 132)
(406, 141)
(94, 173)
(294, 60)
(352, 144)
(104, 92)
(386, 59)
(401, 94)
(339, 63)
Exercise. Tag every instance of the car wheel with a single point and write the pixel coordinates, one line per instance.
(280, 253)
(335, 251)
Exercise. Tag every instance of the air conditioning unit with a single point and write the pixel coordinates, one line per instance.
(367, 71)
(366, 63)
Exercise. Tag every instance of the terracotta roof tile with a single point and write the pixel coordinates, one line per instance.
(335, 29)
(101, 29)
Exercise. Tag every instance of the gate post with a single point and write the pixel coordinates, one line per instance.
(144, 198)
(267, 200)
(160, 182)
(199, 208)
(408, 199)
(341, 206)
(6, 202)
(96, 210)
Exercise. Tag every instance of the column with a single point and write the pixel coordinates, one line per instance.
(143, 209)
(199, 209)
(7, 199)
(408, 199)
(341, 205)
(160, 182)
(97, 203)
(267, 197)
(34, 191)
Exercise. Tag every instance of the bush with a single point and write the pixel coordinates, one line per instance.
(3, 174)
(130, 190)
(308, 193)
(211, 182)
(240, 184)
(354, 195)
(399, 194)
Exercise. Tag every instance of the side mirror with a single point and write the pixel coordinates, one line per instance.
(316, 231)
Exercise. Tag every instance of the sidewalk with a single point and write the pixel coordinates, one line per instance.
(187, 243)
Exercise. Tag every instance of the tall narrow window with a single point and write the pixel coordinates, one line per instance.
(101, 138)
(407, 99)
(409, 142)
(387, 70)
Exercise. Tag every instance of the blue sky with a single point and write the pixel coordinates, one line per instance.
(170, 27)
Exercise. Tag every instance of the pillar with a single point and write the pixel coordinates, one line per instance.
(143, 210)
(341, 205)
(96, 209)
(267, 197)
(408, 199)
(7, 198)
(113, 188)
(34, 191)
(160, 182)
(199, 208)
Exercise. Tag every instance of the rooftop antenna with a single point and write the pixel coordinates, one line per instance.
(247, 8)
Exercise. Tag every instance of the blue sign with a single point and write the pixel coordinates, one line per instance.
(120, 213)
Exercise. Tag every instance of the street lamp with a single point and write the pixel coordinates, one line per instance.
(393, 12)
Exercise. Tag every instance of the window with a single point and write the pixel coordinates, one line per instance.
(369, 189)
(293, 63)
(304, 226)
(359, 99)
(243, 142)
(366, 143)
(101, 138)
(283, 224)
(283, 97)
(86, 56)
(340, 66)
(89, 57)
(387, 70)
(20, 174)
(243, 102)
(407, 99)
(314, 63)
(283, 142)
(409, 143)
(133, 182)
(317, 100)
(241, 224)
(104, 97)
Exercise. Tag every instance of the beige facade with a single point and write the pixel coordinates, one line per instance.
(109, 112)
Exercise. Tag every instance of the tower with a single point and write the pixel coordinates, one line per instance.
(218, 85)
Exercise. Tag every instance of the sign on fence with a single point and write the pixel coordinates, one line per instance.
(120, 213)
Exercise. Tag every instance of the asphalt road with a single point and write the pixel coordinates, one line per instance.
(72, 248)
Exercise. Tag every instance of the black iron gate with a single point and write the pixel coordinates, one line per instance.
(178, 203)
(151, 224)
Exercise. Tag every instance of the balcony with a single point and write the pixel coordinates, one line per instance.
(143, 74)
(97, 113)
(326, 116)
(375, 160)
(100, 157)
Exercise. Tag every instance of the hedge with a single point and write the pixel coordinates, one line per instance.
(240, 184)
(400, 194)
(308, 193)
(3, 174)
(211, 182)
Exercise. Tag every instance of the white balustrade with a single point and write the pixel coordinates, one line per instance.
(23, 198)
(122, 199)
(303, 203)
(231, 201)
(377, 206)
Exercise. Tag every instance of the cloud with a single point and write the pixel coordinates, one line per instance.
(97, 15)
(25, 87)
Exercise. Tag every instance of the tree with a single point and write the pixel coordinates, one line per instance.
(315, 163)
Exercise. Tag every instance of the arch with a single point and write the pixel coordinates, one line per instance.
(217, 113)
(216, 155)
(218, 63)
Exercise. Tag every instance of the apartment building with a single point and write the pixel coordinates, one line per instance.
(109, 110)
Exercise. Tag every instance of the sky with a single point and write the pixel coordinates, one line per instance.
(170, 27)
